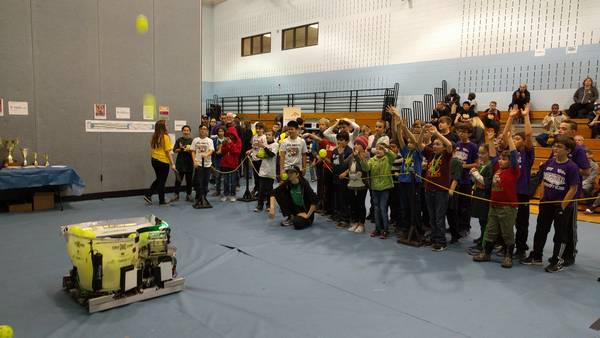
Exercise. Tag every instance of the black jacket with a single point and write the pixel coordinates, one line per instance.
(308, 194)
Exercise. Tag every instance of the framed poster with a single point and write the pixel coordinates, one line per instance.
(100, 111)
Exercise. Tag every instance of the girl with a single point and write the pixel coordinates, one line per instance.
(357, 186)
(162, 159)
(380, 170)
(184, 164)
(230, 149)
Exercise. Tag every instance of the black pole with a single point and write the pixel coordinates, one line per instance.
(248, 197)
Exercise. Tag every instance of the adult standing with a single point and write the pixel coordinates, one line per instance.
(162, 160)
(520, 97)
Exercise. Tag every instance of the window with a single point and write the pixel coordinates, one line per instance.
(257, 44)
(301, 36)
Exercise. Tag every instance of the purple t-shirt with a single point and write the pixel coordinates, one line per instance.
(467, 153)
(558, 177)
(525, 162)
(579, 157)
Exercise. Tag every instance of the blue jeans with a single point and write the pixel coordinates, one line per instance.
(380, 208)
(437, 204)
(229, 182)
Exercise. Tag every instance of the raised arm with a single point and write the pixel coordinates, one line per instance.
(528, 129)
(514, 111)
(433, 130)
(490, 136)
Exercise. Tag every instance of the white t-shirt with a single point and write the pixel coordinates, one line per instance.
(268, 167)
(293, 151)
(257, 141)
(202, 146)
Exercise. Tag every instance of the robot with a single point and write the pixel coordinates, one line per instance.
(119, 262)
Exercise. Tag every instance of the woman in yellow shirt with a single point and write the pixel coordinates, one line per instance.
(162, 159)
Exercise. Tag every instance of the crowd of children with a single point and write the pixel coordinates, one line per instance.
(424, 180)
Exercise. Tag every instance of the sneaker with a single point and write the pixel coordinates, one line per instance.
(175, 198)
(384, 235)
(375, 233)
(556, 267)
(148, 200)
(353, 228)
(482, 257)
(530, 260)
(232, 199)
(437, 247)
(519, 255)
(207, 204)
(223, 199)
(589, 211)
(507, 262)
(359, 229)
(568, 261)
(286, 222)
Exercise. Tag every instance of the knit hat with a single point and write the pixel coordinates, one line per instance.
(362, 140)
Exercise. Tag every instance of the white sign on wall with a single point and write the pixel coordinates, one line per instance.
(123, 113)
(18, 108)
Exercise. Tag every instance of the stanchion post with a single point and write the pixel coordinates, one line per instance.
(248, 197)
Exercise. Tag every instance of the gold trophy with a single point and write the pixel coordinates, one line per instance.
(10, 146)
(47, 164)
(24, 152)
(35, 161)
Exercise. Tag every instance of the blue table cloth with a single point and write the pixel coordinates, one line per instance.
(61, 176)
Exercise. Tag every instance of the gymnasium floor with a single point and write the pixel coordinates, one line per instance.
(319, 282)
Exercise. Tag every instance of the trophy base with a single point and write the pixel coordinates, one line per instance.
(11, 164)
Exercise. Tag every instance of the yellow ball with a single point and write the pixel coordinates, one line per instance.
(6, 331)
(282, 136)
(260, 153)
(284, 176)
(323, 153)
(141, 24)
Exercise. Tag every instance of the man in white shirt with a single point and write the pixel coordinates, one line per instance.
(202, 147)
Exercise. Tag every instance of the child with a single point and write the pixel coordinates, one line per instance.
(380, 135)
(217, 156)
(492, 117)
(412, 153)
(594, 121)
(466, 151)
(258, 142)
(395, 193)
(503, 211)
(551, 123)
(483, 186)
(230, 149)
(588, 182)
(561, 178)
(184, 164)
(380, 169)
(203, 147)
(357, 185)
(296, 200)
(444, 125)
(292, 150)
(524, 145)
(267, 170)
(340, 185)
(437, 180)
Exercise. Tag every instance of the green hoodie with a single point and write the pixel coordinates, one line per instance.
(380, 170)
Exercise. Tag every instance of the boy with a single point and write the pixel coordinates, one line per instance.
(338, 158)
(437, 175)
(561, 179)
(293, 149)
(444, 125)
(466, 152)
(551, 123)
(184, 164)
(503, 211)
(492, 117)
(412, 153)
(296, 200)
(203, 147)
(346, 125)
(258, 142)
(267, 170)
(525, 160)
(217, 155)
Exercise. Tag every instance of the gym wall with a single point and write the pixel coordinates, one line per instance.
(63, 56)
(488, 47)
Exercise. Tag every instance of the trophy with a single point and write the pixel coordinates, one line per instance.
(35, 161)
(24, 152)
(10, 146)
(47, 164)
